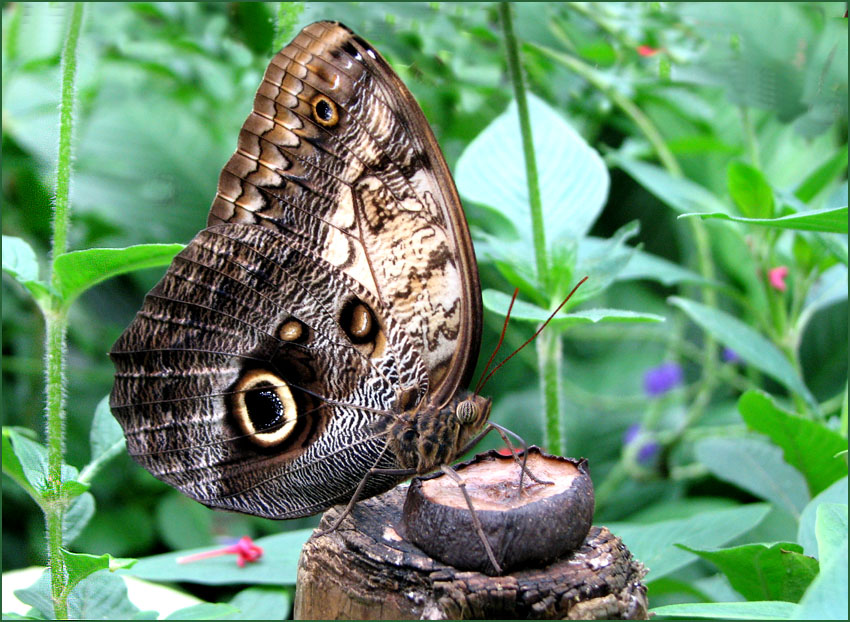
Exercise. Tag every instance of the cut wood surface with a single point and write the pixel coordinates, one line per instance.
(366, 570)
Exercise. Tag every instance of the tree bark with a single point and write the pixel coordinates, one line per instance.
(365, 570)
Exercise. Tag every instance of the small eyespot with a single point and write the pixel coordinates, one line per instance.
(466, 412)
(293, 331)
(358, 322)
(324, 110)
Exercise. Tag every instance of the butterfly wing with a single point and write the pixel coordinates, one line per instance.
(334, 288)
(337, 150)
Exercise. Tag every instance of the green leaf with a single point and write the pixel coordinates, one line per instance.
(74, 488)
(106, 435)
(498, 302)
(262, 603)
(106, 439)
(806, 532)
(747, 343)
(644, 265)
(81, 565)
(100, 596)
(822, 176)
(828, 219)
(32, 459)
(826, 598)
(12, 465)
(830, 288)
(654, 544)
(750, 190)
(77, 271)
(755, 466)
(764, 572)
(277, 566)
(19, 262)
(205, 611)
(77, 516)
(573, 178)
(831, 531)
(678, 193)
(765, 610)
(807, 445)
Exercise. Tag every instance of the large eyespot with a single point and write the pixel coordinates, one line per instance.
(264, 407)
(466, 412)
(324, 110)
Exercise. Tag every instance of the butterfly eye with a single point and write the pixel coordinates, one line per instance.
(324, 111)
(466, 412)
(264, 407)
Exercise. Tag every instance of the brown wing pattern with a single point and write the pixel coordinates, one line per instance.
(217, 315)
(370, 185)
(323, 323)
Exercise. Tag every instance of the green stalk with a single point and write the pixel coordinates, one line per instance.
(56, 320)
(535, 203)
(549, 359)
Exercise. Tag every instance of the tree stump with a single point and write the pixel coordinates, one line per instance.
(366, 570)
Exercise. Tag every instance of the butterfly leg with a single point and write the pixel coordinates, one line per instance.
(359, 490)
(475, 521)
(504, 432)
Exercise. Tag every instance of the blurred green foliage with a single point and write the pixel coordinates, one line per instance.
(750, 99)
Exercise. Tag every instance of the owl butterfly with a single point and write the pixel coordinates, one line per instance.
(312, 345)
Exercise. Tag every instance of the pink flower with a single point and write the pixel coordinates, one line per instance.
(776, 277)
(244, 549)
(645, 50)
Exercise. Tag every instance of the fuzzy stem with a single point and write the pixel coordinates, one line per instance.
(56, 320)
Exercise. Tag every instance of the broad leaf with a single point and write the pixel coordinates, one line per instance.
(573, 178)
(826, 598)
(81, 565)
(806, 532)
(764, 610)
(678, 193)
(827, 220)
(747, 343)
(277, 566)
(262, 603)
(654, 544)
(77, 271)
(205, 611)
(498, 302)
(757, 467)
(19, 262)
(750, 190)
(807, 445)
(765, 572)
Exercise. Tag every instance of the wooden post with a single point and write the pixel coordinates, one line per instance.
(366, 570)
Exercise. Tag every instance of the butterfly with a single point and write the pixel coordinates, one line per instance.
(311, 346)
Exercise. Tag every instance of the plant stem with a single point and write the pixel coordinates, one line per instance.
(550, 365)
(548, 344)
(534, 201)
(56, 320)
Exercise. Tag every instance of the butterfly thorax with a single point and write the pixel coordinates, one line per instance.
(432, 436)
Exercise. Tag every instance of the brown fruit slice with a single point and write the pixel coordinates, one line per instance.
(545, 522)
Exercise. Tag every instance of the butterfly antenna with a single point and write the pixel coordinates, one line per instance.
(530, 339)
(501, 339)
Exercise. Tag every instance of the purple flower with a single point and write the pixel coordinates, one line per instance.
(730, 356)
(658, 380)
(647, 452)
(631, 434)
